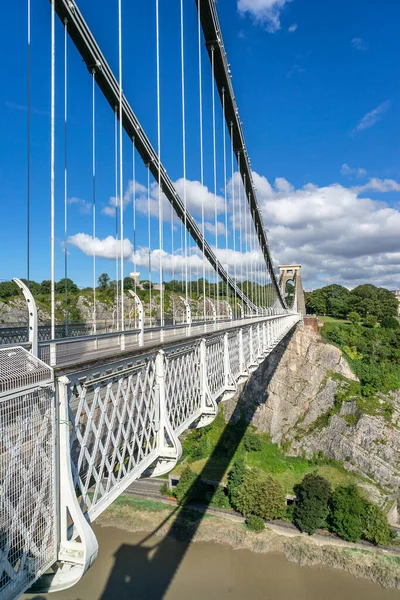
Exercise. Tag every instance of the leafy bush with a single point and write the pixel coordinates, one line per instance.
(354, 317)
(254, 523)
(312, 507)
(353, 517)
(260, 495)
(252, 442)
(220, 498)
(165, 490)
(185, 486)
(376, 527)
(370, 321)
(235, 480)
(373, 354)
(390, 323)
(346, 513)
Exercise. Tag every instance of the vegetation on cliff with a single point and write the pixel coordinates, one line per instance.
(365, 300)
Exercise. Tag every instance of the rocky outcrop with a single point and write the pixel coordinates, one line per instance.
(291, 397)
(15, 312)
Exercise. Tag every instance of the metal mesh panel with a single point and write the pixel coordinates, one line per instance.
(27, 502)
(182, 381)
(19, 369)
(215, 366)
(246, 348)
(113, 430)
(233, 348)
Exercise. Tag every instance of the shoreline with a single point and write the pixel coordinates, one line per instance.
(166, 519)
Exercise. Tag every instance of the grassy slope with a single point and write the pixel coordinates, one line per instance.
(271, 459)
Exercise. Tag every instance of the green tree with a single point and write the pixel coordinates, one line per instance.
(376, 527)
(252, 442)
(260, 495)
(254, 523)
(184, 489)
(347, 513)
(45, 286)
(8, 289)
(368, 299)
(103, 281)
(312, 506)
(370, 321)
(390, 323)
(316, 302)
(60, 286)
(354, 317)
(235, 479)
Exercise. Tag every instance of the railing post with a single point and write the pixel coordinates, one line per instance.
(140, 309)
(169, 447)
(242, 367)
(32, 316)
(203, 373)
(227, 369)
(74, 557)
(188, 314)
(162, 409)
(264, 337)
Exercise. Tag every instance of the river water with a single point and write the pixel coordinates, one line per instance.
(131, 567)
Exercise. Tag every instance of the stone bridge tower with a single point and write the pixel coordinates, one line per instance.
(292, 273)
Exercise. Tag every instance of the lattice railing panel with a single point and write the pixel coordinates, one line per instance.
(182, 383)
(233, 349)
(246, 348)
(27, 490)
(215, 365)
(114, 425)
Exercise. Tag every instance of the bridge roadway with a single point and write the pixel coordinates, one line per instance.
(74, 351)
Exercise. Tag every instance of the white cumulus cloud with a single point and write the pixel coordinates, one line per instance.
(264, 12)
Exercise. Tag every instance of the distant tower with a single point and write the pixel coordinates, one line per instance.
(292, 273)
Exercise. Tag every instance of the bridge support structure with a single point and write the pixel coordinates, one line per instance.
(289, 273)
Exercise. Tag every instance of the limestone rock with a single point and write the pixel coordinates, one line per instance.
(295, 385)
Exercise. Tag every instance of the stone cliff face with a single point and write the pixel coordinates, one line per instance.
(290, 397)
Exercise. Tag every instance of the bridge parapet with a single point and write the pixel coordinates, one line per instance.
(28, 518)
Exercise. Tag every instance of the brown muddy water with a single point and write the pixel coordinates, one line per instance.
(132, 567)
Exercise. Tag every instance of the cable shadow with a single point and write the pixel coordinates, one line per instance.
(145, 573)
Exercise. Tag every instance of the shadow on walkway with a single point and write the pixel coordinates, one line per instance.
(145, 573)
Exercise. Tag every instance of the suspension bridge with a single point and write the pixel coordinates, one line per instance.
(85, 410)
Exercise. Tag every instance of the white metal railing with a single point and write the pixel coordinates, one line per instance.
(114, 420)
(28, 517)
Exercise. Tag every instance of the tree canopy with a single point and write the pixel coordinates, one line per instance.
(312, 506)
(364, 300)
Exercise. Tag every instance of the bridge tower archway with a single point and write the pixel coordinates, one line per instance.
(290, 274)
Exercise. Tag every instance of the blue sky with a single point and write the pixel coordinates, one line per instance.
(318, 89)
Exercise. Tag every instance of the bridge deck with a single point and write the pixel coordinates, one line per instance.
(71, 352)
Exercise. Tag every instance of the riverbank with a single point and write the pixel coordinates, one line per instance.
(187, 524)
